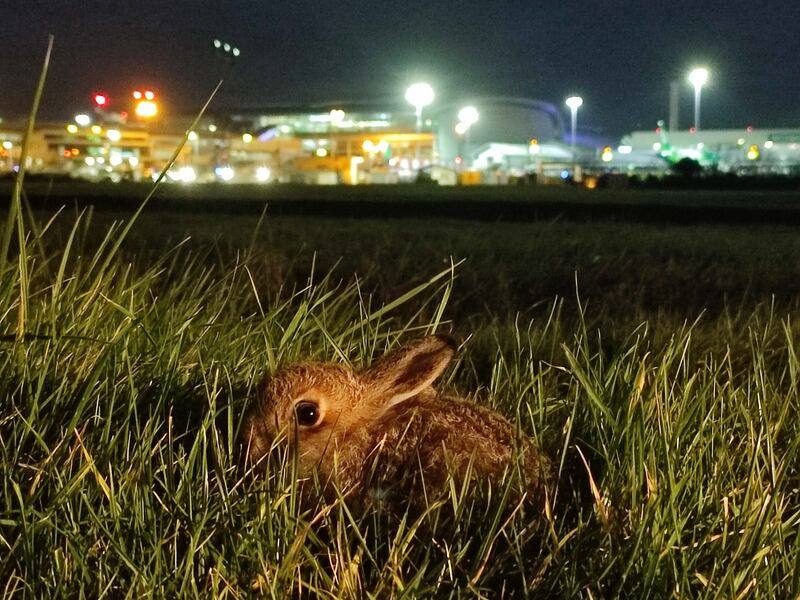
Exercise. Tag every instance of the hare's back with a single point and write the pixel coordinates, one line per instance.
(444, 436)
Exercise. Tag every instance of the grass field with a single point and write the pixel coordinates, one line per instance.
(662, 352)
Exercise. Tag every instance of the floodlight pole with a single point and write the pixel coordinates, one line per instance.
(574, 103)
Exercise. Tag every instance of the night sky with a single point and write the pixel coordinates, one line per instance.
(620, 56)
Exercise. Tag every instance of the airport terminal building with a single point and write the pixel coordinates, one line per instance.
(507, 138)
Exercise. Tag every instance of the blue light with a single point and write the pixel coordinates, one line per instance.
(267, 135)
(564, 174)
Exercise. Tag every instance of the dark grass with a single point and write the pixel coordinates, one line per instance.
(478, 203)
(627, 272)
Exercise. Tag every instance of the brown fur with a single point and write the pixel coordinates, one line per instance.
(387, 428)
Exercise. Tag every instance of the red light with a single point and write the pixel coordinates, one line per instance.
(137, 95)
(692, 129)
(658, 129)
(123, 114)
(148, 95)
(100, 99)
(67, 154)
(749, 129)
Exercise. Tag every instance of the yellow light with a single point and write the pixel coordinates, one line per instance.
(607, 155)
(247, 138)
(321, 152)
(72, 128)
(146, 109)
(753, 153)
(96, 129)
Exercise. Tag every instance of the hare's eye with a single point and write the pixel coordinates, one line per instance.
(307, 413)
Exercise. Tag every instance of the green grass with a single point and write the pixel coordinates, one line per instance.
(121, 402)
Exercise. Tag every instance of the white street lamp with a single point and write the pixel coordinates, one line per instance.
(574, 103)
(419, 95)
(468, 115)
(698, 78)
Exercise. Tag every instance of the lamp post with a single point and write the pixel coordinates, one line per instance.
(574, 103)
(419, 95)
(698, 78)
(467, 117)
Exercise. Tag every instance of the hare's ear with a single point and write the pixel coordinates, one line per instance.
(406, 372)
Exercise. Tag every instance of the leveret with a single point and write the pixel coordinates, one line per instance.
(386, 431)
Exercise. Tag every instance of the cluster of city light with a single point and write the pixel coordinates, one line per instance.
(420, 95)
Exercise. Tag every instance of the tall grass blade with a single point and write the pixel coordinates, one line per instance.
(15, 215)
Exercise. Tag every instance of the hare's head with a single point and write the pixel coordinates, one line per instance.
(316, 406)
